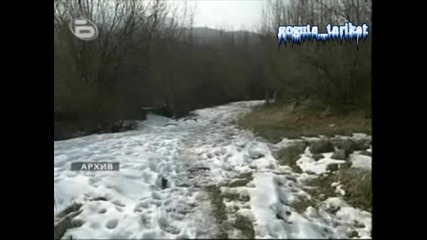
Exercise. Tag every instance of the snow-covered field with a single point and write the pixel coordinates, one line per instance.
(192, 154)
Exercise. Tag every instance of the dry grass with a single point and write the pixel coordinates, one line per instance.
(289, 156)
(241, 180)
(303, 203)
(358, 186)
(277, 121)
(245, 226)
(219, 208)
(356, 182)
(219, 211)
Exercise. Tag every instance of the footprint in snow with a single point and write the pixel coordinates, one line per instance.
(94, 225)
(118, 203)
(167, 227)
(142, 205)
(102, 211)
(112, 223)
(94, 180)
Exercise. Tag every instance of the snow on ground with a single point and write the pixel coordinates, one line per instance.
(274, 218)
(191, 155)
(346, 217)
(309, 165)
(361, 161)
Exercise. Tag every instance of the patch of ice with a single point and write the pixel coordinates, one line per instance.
(307, 152)
(339, 190)
(347, 217)
(309, 165)
(360, 135)
(256, 150)
(341, 137)
(311, 139)
(311, 212)
(334, 202)
(274, 219)
(361, 161)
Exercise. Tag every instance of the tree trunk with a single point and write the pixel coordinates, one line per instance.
(267, 96)
(275, 95)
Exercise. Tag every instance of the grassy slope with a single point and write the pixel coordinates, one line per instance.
(274, 122)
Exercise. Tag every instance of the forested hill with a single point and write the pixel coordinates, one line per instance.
(144, 58)
(209, 36)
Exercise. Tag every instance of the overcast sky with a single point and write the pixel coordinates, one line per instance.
(227, 14)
